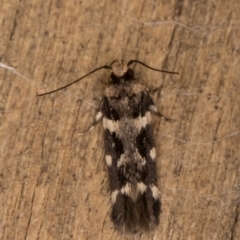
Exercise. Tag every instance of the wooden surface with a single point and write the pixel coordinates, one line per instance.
(53, 180)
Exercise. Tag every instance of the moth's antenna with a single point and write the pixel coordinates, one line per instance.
(145, 65)
(113, 63)
(96, 69)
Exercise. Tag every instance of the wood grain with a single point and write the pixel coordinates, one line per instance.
(53, 180)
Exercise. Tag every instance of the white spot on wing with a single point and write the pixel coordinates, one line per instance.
(108, 160)
(153, 108)
(112, 126)
(142, 161)
(115, 126)
(141, 187)
(153, 153)
(123, 160)
(133, 192)
(114, 196)
(126, 189)
(98, 116)
(155, 192)
(142, 122)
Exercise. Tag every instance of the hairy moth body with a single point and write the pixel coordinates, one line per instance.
(130, 151)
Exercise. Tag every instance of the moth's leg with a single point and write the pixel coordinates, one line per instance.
(98, 117)
(153, 109)
(149, 104)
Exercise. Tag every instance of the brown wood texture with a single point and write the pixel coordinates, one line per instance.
(53, 180)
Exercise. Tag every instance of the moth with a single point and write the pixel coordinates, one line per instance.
(130, 153)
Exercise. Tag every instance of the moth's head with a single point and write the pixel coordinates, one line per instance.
(120, 69)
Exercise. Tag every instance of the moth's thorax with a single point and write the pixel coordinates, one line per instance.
(123, 88)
